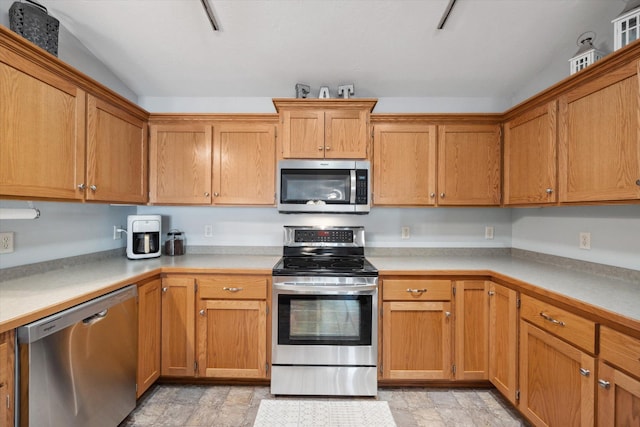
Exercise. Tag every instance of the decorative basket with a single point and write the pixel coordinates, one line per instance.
(32, 22)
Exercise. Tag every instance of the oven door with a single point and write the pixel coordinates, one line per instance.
(325, 325)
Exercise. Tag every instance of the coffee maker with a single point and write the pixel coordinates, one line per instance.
(143, 236)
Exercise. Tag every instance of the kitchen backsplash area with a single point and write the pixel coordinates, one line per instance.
(70, 229)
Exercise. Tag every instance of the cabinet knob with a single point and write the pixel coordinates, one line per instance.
(165, 289)
(216, 194)
(320, 148)
(206, 194)
(432, 195)
(327, 148)
(93, 188)
(491, 293)
(638, 182)
(447, 314)
(549, 190)
(585, 372)
(202, 312)
(604, 384)
(442, 195)
(82, 186)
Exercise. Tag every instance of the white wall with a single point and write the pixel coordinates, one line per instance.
(430, 227)
(73, 52)
(615, 233)
(63, 230)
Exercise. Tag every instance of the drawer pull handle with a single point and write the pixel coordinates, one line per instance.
(551, 319)
(585, 372)
(416, 291)
(231, 289)
(604, 384)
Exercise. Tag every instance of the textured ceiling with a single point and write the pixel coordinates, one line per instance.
(387, 48)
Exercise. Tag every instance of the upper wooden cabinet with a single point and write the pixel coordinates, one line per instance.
(468, 165)
(599, 138)
(64, 136)
(116, 154)
(180, 164)
(530, 157)
(42, 124)
(244, 161)
(404, 164)
(325, 128)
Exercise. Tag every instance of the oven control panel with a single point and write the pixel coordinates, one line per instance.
(324, 236)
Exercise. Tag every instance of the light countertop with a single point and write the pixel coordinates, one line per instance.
(28, 298)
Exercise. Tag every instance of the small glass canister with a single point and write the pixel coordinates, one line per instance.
(175, 244)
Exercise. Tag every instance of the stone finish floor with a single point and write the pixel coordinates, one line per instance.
(236, 406)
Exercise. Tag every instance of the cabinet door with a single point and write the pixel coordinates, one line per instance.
(178, 326)
(618, 398)
(599, 152)
(416, 340)
(180, 164)
(244, 159)
(116, 154)
(7, 365)
(469, 165)
(303, 134)
(404, 164)
(557, 381)
(471, 329)
(346, 135)
(42, 128)
(232, 338)
(503, 340)
(530, 157)
(149, 333)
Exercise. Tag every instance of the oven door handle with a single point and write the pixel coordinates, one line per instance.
(319, 289)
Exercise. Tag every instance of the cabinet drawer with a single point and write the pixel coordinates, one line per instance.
(416, 290)
(620, 349)
(231, 287)
(566, 325)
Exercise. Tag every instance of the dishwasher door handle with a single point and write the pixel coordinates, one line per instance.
(96, 317)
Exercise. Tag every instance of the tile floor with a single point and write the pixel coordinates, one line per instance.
(236, 406)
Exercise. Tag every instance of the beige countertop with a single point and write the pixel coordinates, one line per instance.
(26, 299)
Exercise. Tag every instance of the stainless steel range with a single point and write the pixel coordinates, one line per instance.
(325, 323)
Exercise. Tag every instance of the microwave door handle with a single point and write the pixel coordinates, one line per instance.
(352, 197)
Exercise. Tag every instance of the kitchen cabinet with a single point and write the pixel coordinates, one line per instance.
(149, 334)
(244, 161)
(42, 125)
(7, 369)
(503, 340)
(178, 326)
(468, 165)
(618, 379)
(471, 329)
(599, 143)
(232, 326)
(325, 128)
(530, 157)
(180, 164)
(557, 377)
(404, 164)
(417, 329)
(117, 155)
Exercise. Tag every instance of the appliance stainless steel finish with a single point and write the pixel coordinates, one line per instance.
(143, 236)
(78, 367)
(325, 323)
(324, 186)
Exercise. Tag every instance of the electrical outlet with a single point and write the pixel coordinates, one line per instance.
(585, 240)
(488, 232)
(6, 242)
(117, 232)
(208, 230)
(405, 233)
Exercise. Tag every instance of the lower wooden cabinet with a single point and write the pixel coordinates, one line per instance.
(417, 327)
(7, 368)
(503, 340)
(557, 380)
(149, 334)
(232, 326)
(178, 330)
(471, 329)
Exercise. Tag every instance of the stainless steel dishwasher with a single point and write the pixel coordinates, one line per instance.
(78, 367)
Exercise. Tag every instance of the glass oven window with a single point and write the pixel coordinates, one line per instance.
(301, 186)
(324, 319)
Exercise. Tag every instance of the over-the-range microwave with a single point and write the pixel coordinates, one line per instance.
(324, 186)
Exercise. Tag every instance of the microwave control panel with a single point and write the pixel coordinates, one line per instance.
(362, 181)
